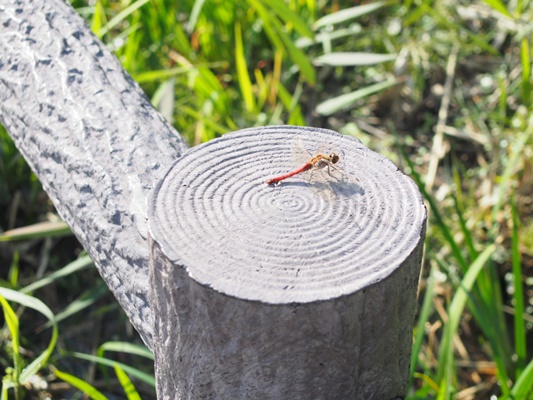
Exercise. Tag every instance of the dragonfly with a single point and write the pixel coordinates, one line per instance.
(325, 176)
(320, 161)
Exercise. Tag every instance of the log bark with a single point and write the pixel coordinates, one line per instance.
(304, 290)
(91, 136)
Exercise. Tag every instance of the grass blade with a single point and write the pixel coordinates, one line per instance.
(38, 305)
(456, 309)
(126, 383)
(12, 322)
(79, 384)
(436, 214)
(245, 83)
(147, 378)
(348, 14)
(281, 41)
(120, 17)
(347, 59)
(298, 56)
(88, 298)
(526, 71)
(459, 207)
(37, 231)
(523, 388)
(518, 295)
(289, 16)
(498, 6)
(164, 99)
(125, 347)
(345, 101)
(75, 266)
(420, 329)
(193, 17)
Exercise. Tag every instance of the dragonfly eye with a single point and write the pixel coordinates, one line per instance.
(334, 158)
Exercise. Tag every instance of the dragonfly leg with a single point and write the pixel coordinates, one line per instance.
(330, 167)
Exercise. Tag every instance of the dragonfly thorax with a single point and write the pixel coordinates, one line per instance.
(322, 161)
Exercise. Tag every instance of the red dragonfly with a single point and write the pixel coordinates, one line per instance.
(320, 161)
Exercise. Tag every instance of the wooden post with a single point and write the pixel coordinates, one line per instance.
(91, 136)
(295, 291)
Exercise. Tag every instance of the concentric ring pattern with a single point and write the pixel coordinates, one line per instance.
(314, 236)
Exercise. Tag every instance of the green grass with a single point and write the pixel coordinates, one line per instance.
(377, 71)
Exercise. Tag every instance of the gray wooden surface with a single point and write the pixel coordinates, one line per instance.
(302, 290)
(90, 135)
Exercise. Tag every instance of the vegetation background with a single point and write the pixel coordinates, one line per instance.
(443, 88)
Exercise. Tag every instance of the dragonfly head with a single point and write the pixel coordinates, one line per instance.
(334, 158)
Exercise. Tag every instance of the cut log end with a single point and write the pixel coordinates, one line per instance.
(316, 236)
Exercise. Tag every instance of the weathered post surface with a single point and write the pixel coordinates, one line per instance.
(91, 136)
(303, 290)
(293, 291)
